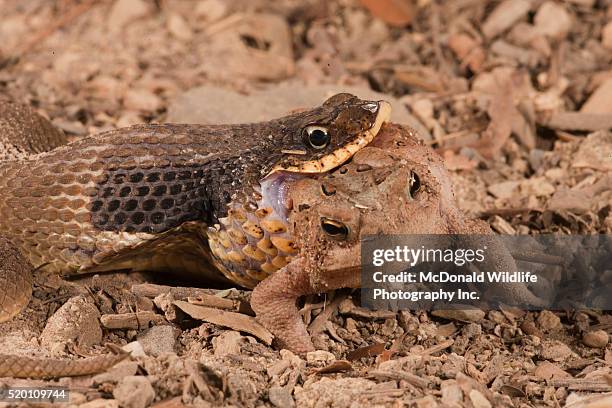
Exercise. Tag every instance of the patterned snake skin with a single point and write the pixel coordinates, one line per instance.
(161, 197)
(24, 367)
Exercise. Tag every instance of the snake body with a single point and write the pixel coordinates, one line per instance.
(170, 197)
(26, 367)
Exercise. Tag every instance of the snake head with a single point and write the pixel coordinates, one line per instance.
(317, 140)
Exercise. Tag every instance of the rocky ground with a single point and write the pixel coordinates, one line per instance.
(516, 95)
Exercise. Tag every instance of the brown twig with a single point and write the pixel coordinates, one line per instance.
(318, 324)
(439, 347)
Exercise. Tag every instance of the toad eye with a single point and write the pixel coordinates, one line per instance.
(414, 184)
(317, 136)
(334, 228)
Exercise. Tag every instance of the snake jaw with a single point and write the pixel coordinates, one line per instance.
(342, 154)
(275, 194)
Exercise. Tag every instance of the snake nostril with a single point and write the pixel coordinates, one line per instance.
(414, 183)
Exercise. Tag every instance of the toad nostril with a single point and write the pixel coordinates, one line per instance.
(328, 189)
(414, 184)
(333, 228)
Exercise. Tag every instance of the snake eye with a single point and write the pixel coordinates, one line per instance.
(317, 136)
(334, 228)
(414, 184)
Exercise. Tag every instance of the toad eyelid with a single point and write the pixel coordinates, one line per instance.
(312, 128)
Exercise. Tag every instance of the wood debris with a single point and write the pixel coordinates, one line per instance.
(235, 321)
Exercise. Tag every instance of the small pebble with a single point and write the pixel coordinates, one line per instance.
(158, 340)
(124, 12)
(479, 400)
(142, 100)
(211, 10)
(548, 321)
(179, 27)
(135, 348)
(319, 358)
(595, 339)
(555, 350)
(280, 397)
(529, 327)
(134, 392)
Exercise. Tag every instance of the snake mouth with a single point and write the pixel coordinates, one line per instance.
(274, 191)
(342, 154)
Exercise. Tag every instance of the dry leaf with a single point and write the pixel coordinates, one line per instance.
(367, 351)
(512, 391)
(547, 371)
(335, 367)
(393, 12)
(446, 330)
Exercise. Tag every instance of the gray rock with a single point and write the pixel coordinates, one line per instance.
(158, 340)
(214, 105)
(280, 397)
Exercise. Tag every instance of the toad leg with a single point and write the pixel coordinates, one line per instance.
(274, 301)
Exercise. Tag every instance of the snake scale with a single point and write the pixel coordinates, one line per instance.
(159, 197)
